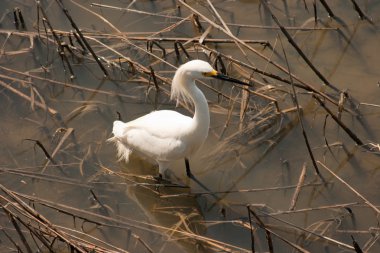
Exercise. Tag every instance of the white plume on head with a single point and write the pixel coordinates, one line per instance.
(178, 91)
(185, 75)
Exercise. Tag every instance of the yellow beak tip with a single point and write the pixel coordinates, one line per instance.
(211, 73)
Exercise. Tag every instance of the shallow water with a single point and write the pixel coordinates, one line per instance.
(255, 162)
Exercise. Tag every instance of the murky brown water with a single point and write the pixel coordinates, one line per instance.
(257, 162)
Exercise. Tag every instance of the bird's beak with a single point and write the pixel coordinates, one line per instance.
(217, 75)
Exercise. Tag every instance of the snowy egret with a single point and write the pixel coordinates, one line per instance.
(167, 135)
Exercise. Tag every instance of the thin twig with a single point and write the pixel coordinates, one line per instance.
(66, 12)
(41, 218)
(321, 236)
(340, 123)
(327, 8)
(65, 136)
(19, 232)
(362, 15)
(47, 155)
(299, 115)
(351, 188)
(301, 180)
(297, 48)
(22, 95)
(262, 225)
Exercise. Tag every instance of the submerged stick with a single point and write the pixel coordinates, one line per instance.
(251, 230)
(20, 16)
(66, 135)
(356, 245)
(292, 244)
(362, 15)
(15, 18)
(26, 97)
(48, 156)
(327, 8)
(17, 227)
(42, 220)
(299, 115)
(321, 236)
(340, 123)
(60, 44)
(262, 225)
(66, 12)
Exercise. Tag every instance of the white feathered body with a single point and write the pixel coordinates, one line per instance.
(160, 135)
(168, 135)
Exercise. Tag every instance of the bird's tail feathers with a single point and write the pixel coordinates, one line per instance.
(123, 151)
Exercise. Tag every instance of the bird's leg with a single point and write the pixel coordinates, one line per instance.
(188, 171)
(192, 177)
(162, 167)
(158, 178)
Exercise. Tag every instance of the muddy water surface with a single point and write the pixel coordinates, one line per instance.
(256, 161)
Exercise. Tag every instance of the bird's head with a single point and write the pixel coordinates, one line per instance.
(195, 69)
(198, 69)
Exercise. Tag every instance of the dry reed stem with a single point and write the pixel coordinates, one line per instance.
(299, 114)
(290, 243)
(351, 188)
(362, 15)
(54, 82)
(305, 210)
(352, 135)
(241, 190)
(308, 232)
(327, 8)
(26, 97)
(227, 23)
(371, 241)
(251, 91)
(128, 223)
(17, 227)
(41, 219)
(194, 40)
(101, 17)
(283, 69)
(302, 85)
(297, 48)
(59, 42)
(73, 24)
(137, 11)
(297, 191)
(57, 148)
(109, 52)
(251, 231)
(263, 226)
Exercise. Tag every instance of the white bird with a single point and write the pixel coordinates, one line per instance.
(167, 135)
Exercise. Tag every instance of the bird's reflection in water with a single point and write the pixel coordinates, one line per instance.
(180, 217)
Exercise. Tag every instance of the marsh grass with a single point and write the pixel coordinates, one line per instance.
(61, 188)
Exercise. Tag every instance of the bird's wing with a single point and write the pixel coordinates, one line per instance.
(157, 135)
(163, 123)
(145, 143)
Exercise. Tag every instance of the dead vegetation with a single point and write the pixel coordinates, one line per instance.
(61, 189)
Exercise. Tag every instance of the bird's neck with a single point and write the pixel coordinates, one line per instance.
(201, 118)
